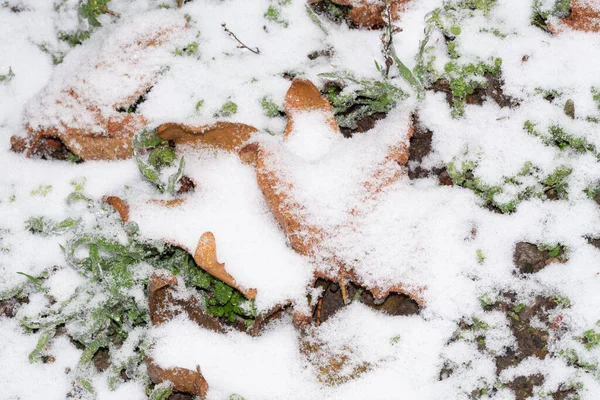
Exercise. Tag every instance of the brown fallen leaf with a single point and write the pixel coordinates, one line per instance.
(164, 303)
(306, 239)
(206, 258)
(121, 207)
(223, 135)
(304, 96)
(581, 18)
(183, 380)
(89, 115)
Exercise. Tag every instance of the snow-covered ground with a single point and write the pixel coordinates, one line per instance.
(443, 240)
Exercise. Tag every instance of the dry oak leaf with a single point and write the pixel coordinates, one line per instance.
(86, 102)
(206, 257)
(223, 135)
(583, 17)
(183, 380)
(308, 238)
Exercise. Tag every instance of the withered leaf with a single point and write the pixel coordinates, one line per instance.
(223, 135)
(206, 258)
(121, 207)
(183, 380)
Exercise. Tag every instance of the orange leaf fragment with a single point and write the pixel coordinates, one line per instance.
(223, 135)
(581, 18)
(304, 96)
(121, 207)
(183, 380)
(206, 257)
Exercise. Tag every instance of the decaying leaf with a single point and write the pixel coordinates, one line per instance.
(333, 367)
(164, 305)
(304, 96)
(306, 239)
(121, 207)
(583, 17)
(223, 135)
(206, 257)
(95, 117)
(183, 380)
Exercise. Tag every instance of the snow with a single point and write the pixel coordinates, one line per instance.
(415, 232)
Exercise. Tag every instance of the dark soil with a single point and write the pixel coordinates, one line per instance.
(529, 259)
(493, 89)
(320, 53)
(180, 396)
(530, 341)
(186, 185)
(332, 300)
(364, 124)
(333, 12)
(9, 307)
(420, 147)
(101, 360)
(523, 385)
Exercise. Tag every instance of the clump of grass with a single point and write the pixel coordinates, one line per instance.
(91, 10)
(273, 13)
(528, 183)
(160, 156)
(361, 98)
(109, 310)
(8, 76)
(227, 109)
(270, 108)
(558, 137)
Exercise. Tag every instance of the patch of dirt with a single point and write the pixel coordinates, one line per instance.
(101, 360)
(321, 53)
(530, 341)
(334, 12)
(493, 89)
(523, 385)
(180, 396)
(332, 300)
(420, 147)
(364, 124)
(186, 185)
(528, 258)
(9, 307)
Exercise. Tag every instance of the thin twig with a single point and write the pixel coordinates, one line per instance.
(343, 286)
(318, 314)
(241, 44)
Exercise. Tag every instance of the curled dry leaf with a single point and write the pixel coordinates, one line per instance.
(223, 135)
(206, 257)
(121, 207)
(304, 96)
(92, 110)
(183, 380)
(583, 17)
(306, 239)
(165, 303)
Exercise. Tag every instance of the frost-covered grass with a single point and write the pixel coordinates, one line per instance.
(73, 278)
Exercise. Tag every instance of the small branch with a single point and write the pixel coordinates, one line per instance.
(344, 294)
(241, 44)
(179, 3)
